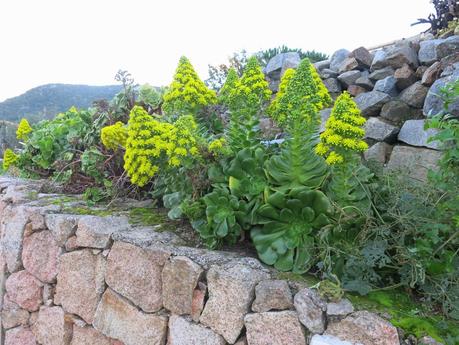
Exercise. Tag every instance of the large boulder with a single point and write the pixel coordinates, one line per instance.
(231, 292)
(277, 66)
(363, 57)
(379, 130)
(274, 328)
(184, 332)
(396, 111)
(396, 56)
(349, 77)
(364, 328)
(132, 270)
(413, 161)
(405, 77)
(434, 103)
(414, 95)
(414, 134)
(370, 103)
(117, 318)
(337, 58)
(333, 86)
(387, 85)
(434, 50)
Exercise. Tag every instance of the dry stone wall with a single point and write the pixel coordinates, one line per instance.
(90, 280)
(396, 88)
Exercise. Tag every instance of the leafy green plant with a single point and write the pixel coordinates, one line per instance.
(290, 223)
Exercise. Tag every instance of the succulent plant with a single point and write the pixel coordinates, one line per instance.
(290, 222)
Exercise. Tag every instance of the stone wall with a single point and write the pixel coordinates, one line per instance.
(396, 88)
(93, 280)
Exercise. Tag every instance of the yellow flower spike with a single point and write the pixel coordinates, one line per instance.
(23, 130)
(9, 159)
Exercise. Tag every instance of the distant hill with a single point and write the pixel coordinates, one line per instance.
(44, 102)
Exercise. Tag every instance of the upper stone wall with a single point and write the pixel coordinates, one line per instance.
(68, 279)
(396, 88)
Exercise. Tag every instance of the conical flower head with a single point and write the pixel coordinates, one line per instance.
(274, 108)
(232, 79)
(23, 130)
(187, 93)
(9, 159)
(343, 133)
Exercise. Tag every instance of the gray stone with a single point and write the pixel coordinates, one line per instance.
(231, 292)
(348, 64)
(370, 103)
(117, 318)
(405, 77)
(62, 226)
(272, 294)
(414, 161)
(428, 52)
(12, 226)
(328, 73)
(447, 47)
(321, 65)
(343, 307)
(180, 277)
(324, 115)
(332, 85)
(382, 73)
(311, 310)
(349, 78)
(363, 57)
(355, 90)
(95, 232)
(420, 71)
(379, 152)
(396, 111)
(414, 134)
(414, 95)
(431, 74)
(318, 339)
(378, 130)
(337, 58)
(280, 63)
(12, 315)
(387, 85)
(428, 341)
(434, 104)
(146, 236)
(364, 328)
(52, 327)
(379, 60)
(184, 332)
(364, 81)
(401, 54)
(274, 328)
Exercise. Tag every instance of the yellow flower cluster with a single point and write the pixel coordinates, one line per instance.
(218, 146)
(232, 79)
(114, 136)
(322, 90)
(274, 110)
(23, 130)
(9, 158)
(343, 131)
(187, 93)
(152, 144)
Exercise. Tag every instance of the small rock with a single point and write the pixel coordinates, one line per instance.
(379, 152)
(332, 85)
(40, 255)
(413, 161)
(52, 327)
(363, 57)
(13, 315)
(387, 85)
(414, 134)
(95, 232)
(184, 332)
(280, 63)
(420, 71)
(311, 310)
(62, 226)
(84, 272)
(327, 340)
(231, 292)
(337, 58)
(365, 82)
(382, 73)
(379, 60)
(428, 341)
(431, 74)
(378, 130)
(328, 73)
(180, 277)
(365, 328)
(25, 290)
(71, 244)
(355, 90)
(348, 64)
(396, 111)
(349, 78)
(117, 318)
(274, 328)
(344, 306)
(132, 270)
(414, 95)
(88, 336)
(405, 77)
(370, 103)
(20, 336)
(197, 304)
(272, 294)
(321, 65)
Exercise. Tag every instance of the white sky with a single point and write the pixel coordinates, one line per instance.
(87, 41)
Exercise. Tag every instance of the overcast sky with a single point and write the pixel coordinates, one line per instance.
(87, 41)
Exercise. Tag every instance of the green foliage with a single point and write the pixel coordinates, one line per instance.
(290, 223)
(151, 97)
(265, 55)
(187, 93)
